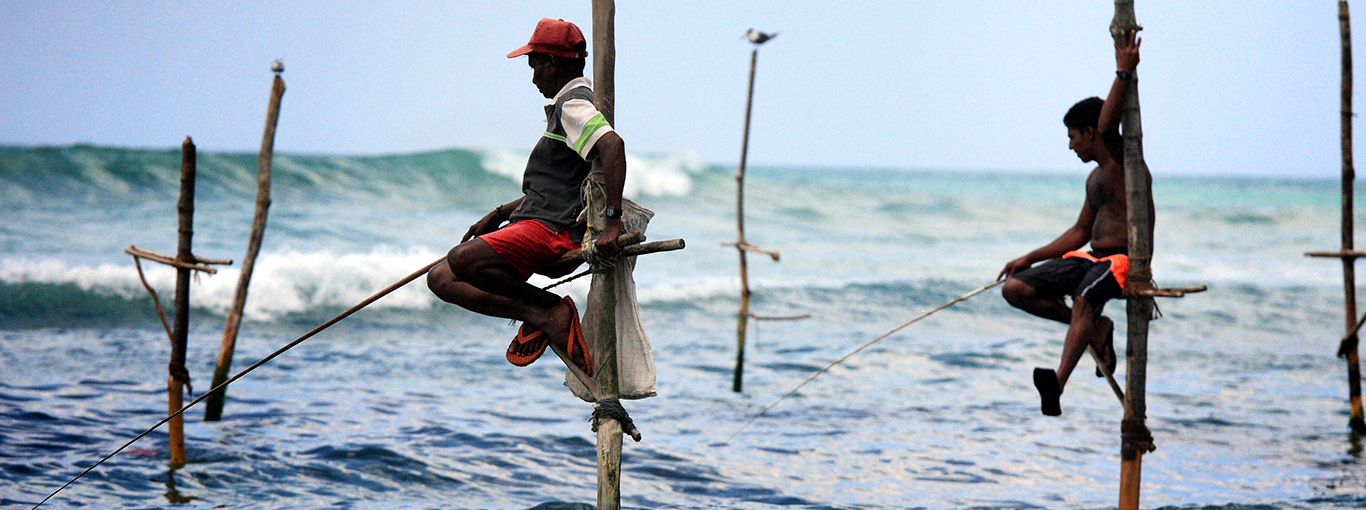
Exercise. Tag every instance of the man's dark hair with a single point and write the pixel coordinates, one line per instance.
(1084, 114)
(573, 65)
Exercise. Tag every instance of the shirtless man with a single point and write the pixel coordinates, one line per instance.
(1090, 278)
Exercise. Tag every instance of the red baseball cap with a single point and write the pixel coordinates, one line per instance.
(555, 37)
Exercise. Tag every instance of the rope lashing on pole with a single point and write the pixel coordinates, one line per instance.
(952, 302)
(611, 409)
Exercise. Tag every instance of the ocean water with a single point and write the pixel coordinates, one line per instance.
(409, 403)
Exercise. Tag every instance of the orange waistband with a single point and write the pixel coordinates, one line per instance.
(1119, 264)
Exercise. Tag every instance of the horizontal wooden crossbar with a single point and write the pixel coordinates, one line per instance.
(194, 264)
(1340, 254)
(1173, 292)
(744, 246)
(631, 247)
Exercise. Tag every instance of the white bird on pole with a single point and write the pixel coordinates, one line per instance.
(278, 66)
(758, 37)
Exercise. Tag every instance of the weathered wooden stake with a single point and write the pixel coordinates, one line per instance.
(742, 322)
(1348, 348)
(741, 245)
(605, 353)
(178, 375)
(213, 407)
(1135, 438)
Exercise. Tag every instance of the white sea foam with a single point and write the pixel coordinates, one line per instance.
(282, 283)
(646, 175)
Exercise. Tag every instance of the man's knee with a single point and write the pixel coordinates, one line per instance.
(475, 261)
(1017, 292)
(463, 261)
(439, 277)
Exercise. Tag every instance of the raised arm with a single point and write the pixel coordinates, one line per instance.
(1126, 62)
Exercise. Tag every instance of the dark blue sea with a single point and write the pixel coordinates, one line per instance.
(409, 403)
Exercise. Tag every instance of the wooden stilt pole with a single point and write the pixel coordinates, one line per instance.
(1135, 439)
(742, 317)
(213, 407)
(741, 245)
(1348, 348)
(605, 352)
(608, 430)
(179, 376)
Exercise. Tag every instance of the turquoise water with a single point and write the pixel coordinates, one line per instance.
(409, 403)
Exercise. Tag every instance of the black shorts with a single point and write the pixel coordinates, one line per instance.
(1076, 277)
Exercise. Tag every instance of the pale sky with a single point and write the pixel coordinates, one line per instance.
(1227, 88)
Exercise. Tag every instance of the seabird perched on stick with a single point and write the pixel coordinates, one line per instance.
(278, 66)
(758, 37)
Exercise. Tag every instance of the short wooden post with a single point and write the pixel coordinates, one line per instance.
(179, 376)
(605, 353)
(1135, 439)
(213, 407)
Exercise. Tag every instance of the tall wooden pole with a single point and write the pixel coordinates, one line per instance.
(1135, 439)
(1348, 349)
(180, 331)
(742, 317)
(605, 353)
(213, 407)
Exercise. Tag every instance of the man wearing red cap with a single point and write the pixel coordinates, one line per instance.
(487, 272)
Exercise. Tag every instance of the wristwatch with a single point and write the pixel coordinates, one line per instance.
(612, 212)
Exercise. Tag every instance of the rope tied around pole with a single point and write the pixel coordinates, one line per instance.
(597, 263)
(611, 409)
(1135, 436)
(181, 375)
(1348, 345)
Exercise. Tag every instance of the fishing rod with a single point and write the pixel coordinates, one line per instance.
(862, 347)
(273, 355)
(629, 241)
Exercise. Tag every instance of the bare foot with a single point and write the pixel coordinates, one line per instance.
(566, 337)
(529, 340)
(558, 324)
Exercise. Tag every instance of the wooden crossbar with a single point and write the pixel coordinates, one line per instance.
(744, 246)
(194, 264)
(1172, 292)
(1340, 254)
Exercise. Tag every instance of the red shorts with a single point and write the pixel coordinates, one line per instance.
(529, 245)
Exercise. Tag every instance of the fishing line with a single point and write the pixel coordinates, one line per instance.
(366, 302)
(263, 361)
(864, 346)
(628, 241)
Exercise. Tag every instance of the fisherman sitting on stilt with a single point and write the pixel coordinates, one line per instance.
(487, 272)
(1090, 278)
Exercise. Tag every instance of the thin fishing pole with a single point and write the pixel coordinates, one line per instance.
(862, 347)
(629, 238)
(263, 361)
